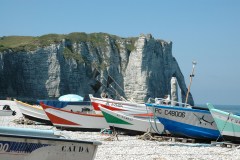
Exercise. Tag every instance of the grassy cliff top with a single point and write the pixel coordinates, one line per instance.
(29, 43)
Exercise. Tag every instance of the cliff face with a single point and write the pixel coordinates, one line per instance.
(136, 68)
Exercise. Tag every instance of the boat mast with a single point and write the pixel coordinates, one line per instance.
(191, 76)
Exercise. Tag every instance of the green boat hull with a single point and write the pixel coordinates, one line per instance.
(227, 123)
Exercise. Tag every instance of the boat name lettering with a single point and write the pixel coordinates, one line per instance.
(175, 113)
(114, 104)
(75, 149)
(235, 121)
(4, 147)
(127, 118)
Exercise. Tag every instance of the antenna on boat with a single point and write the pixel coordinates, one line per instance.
(191, 76)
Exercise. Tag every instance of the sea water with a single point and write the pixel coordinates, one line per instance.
(229, 108)
(235, 109)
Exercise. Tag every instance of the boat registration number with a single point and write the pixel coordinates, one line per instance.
(170, 112)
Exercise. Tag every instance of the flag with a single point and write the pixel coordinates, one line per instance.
(96, 86)
(109, 81)
(95, 73)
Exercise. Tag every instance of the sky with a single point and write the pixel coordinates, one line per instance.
(207, 31)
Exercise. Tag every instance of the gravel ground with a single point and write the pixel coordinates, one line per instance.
(132, 148)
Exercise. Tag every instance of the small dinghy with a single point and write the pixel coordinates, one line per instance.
(35, 144)
(75, 120)
(7, 111)
(33, 112)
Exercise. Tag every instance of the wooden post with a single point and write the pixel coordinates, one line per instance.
(191, 76)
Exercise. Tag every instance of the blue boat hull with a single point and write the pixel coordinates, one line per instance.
(181, 129)
(188, 122)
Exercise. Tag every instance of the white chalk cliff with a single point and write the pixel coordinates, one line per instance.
(141, 67)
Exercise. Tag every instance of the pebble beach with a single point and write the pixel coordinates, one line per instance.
(132, 148)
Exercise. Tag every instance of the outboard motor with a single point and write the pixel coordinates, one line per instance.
(8, 108)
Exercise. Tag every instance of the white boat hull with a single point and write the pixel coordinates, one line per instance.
(119, 106)
(33, 112)
(25, 147)
(6, 113)
(74, 120)
(130, 123)
(6, 110)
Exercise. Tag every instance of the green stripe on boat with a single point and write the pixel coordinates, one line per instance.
(112, 119)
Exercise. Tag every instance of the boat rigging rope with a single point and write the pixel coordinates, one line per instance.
(223, 127)
(116, 92)
(154, 118)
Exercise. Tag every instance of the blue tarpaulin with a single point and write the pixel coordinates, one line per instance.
(61, 104)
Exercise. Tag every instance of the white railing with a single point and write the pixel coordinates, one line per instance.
(169, 102)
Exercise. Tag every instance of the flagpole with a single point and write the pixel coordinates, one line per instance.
(191, 76)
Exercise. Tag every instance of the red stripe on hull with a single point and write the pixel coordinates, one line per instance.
(95, 106)
(112, 108)
(144, 115)
(57, 120)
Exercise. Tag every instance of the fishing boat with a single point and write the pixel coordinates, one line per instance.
(36, 112)
(34, 144)
(193, 122)
(131, 124)
(228, 124)
(125, 107)
(182, 119)
(7, 111)
(33, 112)
(74, 120)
